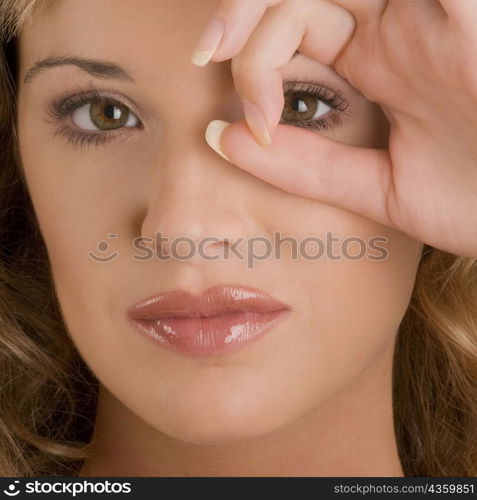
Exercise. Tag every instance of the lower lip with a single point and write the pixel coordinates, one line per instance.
(209, 336)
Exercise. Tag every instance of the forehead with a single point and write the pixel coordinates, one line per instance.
(147, 30)
(152, 40)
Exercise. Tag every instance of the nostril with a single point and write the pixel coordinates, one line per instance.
(207, 247)
(213, 247)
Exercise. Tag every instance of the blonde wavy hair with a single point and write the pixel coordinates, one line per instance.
(48, 395)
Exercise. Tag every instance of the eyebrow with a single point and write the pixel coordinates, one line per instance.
(98, 69)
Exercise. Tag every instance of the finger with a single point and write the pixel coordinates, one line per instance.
(229, 28)
(309, 165)
(461, 12)
(319, 30)
(363, 11)
(417, 15)
(392, 39)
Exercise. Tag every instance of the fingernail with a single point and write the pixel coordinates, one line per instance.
(208, 42)
(257, 123)
(213, 135)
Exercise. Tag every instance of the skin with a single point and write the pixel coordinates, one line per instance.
(412, 58)
(311, 397)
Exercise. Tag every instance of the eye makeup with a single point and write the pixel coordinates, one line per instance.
(300, 98)
(62, 109)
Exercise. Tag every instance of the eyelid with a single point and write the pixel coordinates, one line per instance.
(62, 108)
(64, 105)
(320, 91)
(325, 92)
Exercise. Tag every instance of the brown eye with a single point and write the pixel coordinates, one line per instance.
(104, 115)
(302, 107)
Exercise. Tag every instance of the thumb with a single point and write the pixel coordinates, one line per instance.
(304, 163)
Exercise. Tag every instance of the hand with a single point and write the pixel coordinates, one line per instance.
(413, 58)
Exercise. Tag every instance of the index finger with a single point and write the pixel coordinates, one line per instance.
(318, 29)
(461, 12)
(229, 28)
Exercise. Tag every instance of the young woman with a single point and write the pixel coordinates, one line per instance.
(116, 360)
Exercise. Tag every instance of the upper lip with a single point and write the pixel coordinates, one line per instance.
(215, 301)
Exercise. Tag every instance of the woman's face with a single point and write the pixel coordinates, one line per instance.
(154, 173)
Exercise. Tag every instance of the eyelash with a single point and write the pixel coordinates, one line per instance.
(334, 99)
(64, 106)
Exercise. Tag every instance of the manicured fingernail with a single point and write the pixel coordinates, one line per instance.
(257, 123)
(208, 42)
(213, 135)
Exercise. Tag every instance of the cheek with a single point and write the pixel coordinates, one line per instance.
(349, 308)
(85, 213)
(344, 311)
(357, 307)
(81, 198)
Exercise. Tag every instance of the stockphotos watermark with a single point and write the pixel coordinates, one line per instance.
(252, 249)
(72, 488)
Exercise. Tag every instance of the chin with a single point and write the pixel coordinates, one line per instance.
(219, 422)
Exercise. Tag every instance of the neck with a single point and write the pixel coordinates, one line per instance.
(349, 435)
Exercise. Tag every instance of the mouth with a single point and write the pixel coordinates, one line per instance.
(220, 320)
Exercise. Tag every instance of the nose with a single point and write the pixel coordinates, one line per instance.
(197, 205)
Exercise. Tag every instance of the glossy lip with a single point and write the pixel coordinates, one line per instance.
(219, 320)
